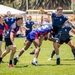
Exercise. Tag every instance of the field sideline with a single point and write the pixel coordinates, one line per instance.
(24, 66)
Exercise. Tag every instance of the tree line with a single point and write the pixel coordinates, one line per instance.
(35, 4)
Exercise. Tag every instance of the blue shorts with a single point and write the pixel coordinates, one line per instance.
(8, 42)
(32, 36)
(1, 37)
(65, 41)
(27, 32)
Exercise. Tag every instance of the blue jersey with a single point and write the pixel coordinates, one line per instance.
(29, 25)
(14, 28)
(63, 34)
(58, 21)
(41, 31)
(9, 21)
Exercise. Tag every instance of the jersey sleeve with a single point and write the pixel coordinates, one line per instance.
(69, 28)
(53, 14)
(13, 27)
(33, 23)
(65, 18)
(6, 26)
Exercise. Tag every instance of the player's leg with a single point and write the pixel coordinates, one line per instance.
(13, 48)
(37, 50)
(0, 51)
(5, 52)
(71, 44)
(52, 54)
(41, 39)
(34, 49)
(26, 33)
(56, 47)
(22, 51)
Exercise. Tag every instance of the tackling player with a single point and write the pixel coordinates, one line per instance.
(34, 36)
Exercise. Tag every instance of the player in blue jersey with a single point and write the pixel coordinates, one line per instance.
(9, 20)
(36, 37)
(3, 27)
(28, 25)
(63, 36)
(9, 38)
(58, 20)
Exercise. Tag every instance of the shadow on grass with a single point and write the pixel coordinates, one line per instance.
(63, 60)
(21, 66)
(55, 64)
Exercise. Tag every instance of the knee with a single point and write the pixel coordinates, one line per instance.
(14, 50)
(7, 51)
(72, 46)
(38, 48)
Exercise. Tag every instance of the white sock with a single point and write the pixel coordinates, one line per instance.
(57, 56)
(17, 57)
(35, 59)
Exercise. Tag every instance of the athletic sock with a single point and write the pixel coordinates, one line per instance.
(35, 59)
(57, 56)
(17, 57)
(53, 53)
(10, 62)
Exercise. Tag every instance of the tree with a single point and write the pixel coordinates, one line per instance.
(35, 4)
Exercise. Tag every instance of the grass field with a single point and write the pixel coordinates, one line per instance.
(24, 66)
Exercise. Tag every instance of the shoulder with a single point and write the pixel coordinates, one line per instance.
(13, 26)
(32, 22)
(64, 16)
(5, 18)
(68, 26)
(53, 13)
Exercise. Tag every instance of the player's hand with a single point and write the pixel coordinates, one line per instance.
(27, 29)
(41, 9)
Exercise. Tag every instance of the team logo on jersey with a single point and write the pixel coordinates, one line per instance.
(32, 23)
(60, 19)
(66, 30)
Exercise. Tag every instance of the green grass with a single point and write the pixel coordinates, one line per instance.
(24, 66)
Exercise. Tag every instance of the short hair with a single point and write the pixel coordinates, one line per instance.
(59, 8)
(18, 17)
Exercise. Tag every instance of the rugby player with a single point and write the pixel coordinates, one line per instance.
(34, 36)
(9, 39)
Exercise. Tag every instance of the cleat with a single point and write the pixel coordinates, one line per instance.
(58, 61)
(32, 52)
(35, 63)
(11, 65)
(50, 59)
(15, 61)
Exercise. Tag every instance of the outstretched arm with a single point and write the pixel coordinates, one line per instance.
(73, 31)
(43, 11)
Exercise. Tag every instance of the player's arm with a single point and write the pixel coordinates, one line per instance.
(73, 31)
(43, 11)
(71, 24)
(20, 28)
(50, 38)
(26, 27)
(6, 27)
(34, 26)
